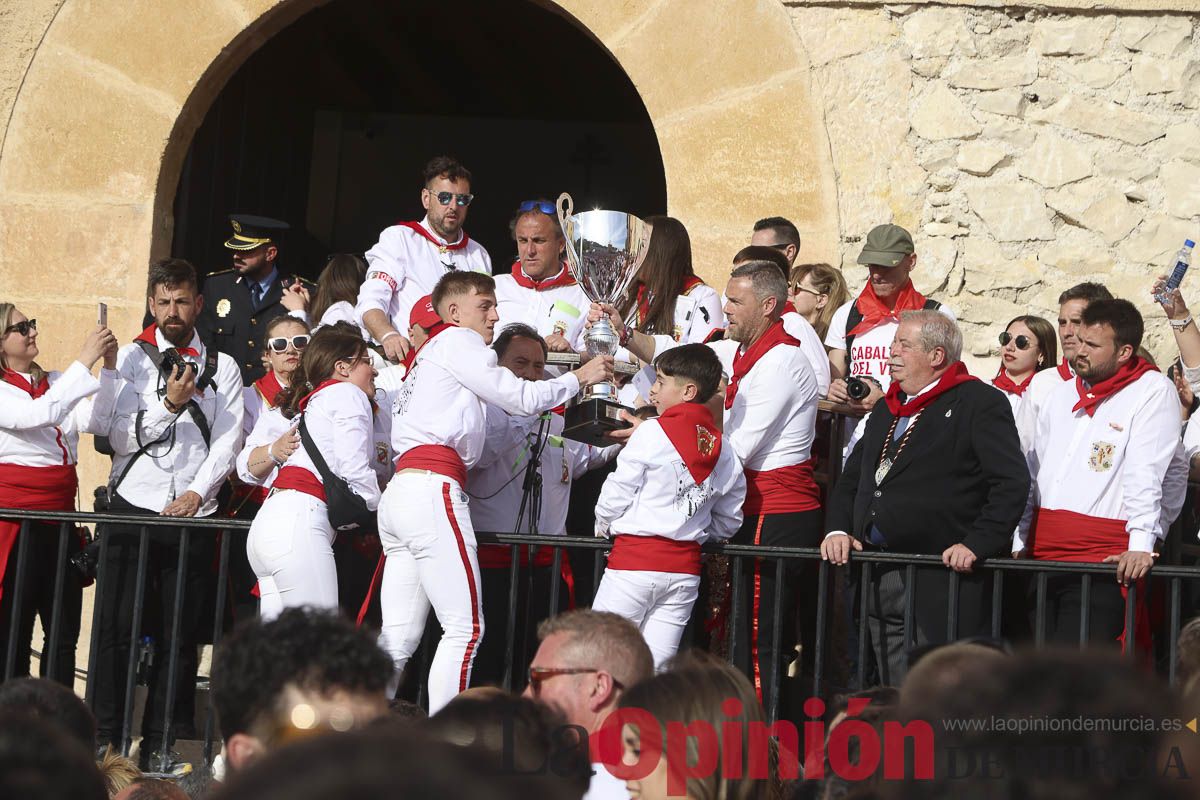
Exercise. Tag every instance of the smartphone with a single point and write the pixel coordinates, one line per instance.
(102, 315)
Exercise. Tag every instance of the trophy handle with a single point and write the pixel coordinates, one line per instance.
(565, 207)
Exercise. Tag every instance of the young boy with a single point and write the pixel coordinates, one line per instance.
(677, 483)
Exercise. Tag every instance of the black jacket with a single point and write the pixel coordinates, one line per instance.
(229, 323)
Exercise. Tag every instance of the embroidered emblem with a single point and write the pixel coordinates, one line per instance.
(1102, 456)
(381, 452)
(705, 441)
(237, 226)
(560, 328)
(223, 306)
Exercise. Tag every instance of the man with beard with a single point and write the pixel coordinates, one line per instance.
(410, 257)
(175, 433)
(1101, 448)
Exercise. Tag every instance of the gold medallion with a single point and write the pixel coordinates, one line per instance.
(223, 307)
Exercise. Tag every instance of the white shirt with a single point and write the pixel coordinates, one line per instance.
(560, 310)
(1026, 414)
(404, 266)
(340, 421)
(698, 313)
(342, 311)
(652, 492)
(869, 356)
(496, 482)
(1111, 465)
(801, 329)
(254, 406)
(441, 402)
(182, 462)
(271, 424)
(45, 432)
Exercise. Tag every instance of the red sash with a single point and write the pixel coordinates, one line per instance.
(1058, 535)
(1003, 382)
(693, 433)
(783, 490)
(563, 278)
(744, 362)
(953, 376)
(301, 480)
(875, 312)
(419, 228)
(35, 489)
(655, 554)
(435, 458)
(1129, 372)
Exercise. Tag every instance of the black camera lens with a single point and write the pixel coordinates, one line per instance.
(857, 388)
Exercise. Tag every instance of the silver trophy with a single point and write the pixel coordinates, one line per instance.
(604, 251)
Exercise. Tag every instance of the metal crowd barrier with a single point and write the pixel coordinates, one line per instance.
(837, 648)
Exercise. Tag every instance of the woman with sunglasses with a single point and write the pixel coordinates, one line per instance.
(283, 343)
(1027, 346)
(817, 291)
(291, 541)
(41, 416)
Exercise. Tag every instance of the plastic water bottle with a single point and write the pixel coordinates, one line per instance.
(1182, 261)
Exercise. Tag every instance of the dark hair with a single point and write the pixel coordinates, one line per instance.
(1120, 315)
(154, 789)
(329, 345)
(309, 648)
(444, 167)
(173, 273)
(39, 761)
(783, 228)
(517, 215)
(1047, 339)
(39, 697)
(760, 252)
(517, 330)
(460, 282)
(1086, 291)
(340, 280)
(664, 273)
(696, 363)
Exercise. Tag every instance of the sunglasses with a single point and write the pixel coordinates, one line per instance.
(543, 206)
(798, 288)
(538, 675)
(280, 344)
(445, 197)
(22, 328)
(1022, 342)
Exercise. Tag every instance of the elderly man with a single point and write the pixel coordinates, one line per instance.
(938, 471)
(585, 661)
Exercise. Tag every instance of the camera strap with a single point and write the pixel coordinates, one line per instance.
(205, 380)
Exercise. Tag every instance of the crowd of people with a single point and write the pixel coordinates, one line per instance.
(371, 423)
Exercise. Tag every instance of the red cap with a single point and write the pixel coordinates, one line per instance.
(423, 314)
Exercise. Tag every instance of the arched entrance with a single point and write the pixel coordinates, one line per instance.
(328, 124)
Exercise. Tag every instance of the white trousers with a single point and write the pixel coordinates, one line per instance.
(659, 603)
(290, 548)
(432, 560)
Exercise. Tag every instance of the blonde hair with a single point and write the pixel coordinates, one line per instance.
(829, 281)
(117, 771)
(6, 315)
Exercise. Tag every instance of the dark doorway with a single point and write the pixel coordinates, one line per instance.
(327, 126)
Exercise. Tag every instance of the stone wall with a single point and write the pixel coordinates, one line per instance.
(1026, 150)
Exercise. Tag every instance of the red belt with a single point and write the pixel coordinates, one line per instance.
(655, 554)
(301, 480)
(783, 490)
(435, 458)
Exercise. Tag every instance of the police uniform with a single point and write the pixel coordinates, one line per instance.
(229, 319)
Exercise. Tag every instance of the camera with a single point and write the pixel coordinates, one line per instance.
(172, 364)
(857, 388)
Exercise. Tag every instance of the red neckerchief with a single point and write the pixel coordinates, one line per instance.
(269, 387)
(419, 228)
(1002, 381)
(1064, 370)
(691, 282)
(789, 308)
(956, 374)
(148, 336)
(744, 362)
(21, 382)
(691, 429)
(563, 278)
(875, 313)
(322, 385)
(434, 331)
(1127, 373)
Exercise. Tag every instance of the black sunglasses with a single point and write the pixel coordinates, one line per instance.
(445, 197)
(22, 328)
(1021, 341)
(280, 344)
(543, 206)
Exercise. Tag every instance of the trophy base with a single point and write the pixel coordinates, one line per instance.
(590, 420)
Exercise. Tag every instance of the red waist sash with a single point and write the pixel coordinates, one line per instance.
(655, 554)
(499, 556)
(435, 458)
(301, 480)
(782, 491)
(35, 489)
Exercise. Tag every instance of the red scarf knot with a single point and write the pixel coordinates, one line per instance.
(694, 434)
(1090, 398)
(562, 278)
(420, 229)
(875, 312)
(149, 337)
(954, 375)
(743, 362)
(1005, 383)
